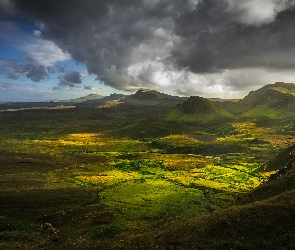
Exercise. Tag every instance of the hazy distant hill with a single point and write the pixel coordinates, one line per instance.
(90, 97)
(113, 97)
(197, 109)
(273, 100)
(152, 97)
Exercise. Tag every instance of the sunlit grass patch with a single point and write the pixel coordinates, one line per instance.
(249, 129)
(84, 137)
(154, 198)
(87, 143)
(233, 179)
(170, 161)
(105, 178)
(183, 162)
(146, 189)
(179, 139)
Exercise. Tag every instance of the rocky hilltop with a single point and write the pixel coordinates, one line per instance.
(197, 109)
(152, 97)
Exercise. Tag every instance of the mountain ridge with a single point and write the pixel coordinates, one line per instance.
(270, 100)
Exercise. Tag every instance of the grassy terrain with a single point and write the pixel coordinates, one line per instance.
(108, 178)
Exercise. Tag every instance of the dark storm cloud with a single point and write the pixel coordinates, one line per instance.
(73, 77)
(102, 34)
(6, 7)
(70, 79)
(34, 72)
(214, 39)
(126, 42)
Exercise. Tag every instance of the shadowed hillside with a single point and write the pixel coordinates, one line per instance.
(152, 97)
(197, 109)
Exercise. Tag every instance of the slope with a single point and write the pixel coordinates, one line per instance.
(197, 109)
(273, 100)
(261, 219)
(90, 97)
(152, 97)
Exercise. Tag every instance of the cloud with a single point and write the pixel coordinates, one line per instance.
(87, 87)
(43, 52)
(186, 46)
(257, 12)
(213, 41)
(73, 77)
(70, 79)
(6, 7)
(104, 34)
(34, 72)
(26, 53)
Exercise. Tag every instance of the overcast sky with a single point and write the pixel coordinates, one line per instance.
(59, 49)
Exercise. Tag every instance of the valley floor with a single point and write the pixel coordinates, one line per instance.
(83, 179)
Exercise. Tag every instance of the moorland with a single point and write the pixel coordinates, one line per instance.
(149, 171)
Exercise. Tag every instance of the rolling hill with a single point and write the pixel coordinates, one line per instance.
(152, 97)
(272, 100)
(197, 109)
(91, 97)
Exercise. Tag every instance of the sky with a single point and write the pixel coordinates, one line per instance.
(62, 49)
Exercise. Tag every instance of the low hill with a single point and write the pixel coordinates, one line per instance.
(197, 109)
(113, 97)
(261, 219)
(152, 97)
(91, 97)
(272, 100)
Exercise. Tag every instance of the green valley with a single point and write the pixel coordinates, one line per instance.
(149, 171)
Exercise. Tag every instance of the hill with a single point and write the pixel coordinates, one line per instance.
(272, 100)
(91, 97)
(197, 109)
(152, 97)
(113, 97)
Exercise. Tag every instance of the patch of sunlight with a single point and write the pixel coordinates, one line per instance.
(218, 177)
(154, 198)
(106, 178)
(250, 129)
(268, 174)
(179, 140)
(84, 136)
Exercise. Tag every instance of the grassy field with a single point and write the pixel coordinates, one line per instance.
(101, 178)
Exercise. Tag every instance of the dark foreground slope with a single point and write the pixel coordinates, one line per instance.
(261, 219)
